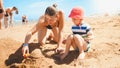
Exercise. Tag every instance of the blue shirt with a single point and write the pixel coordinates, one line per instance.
(82, 29)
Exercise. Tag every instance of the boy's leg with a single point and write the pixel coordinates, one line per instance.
(81, 45)
(74, 45)
(68, 44)
(42, 36)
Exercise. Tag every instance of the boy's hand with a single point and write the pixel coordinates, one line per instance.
(86, 39)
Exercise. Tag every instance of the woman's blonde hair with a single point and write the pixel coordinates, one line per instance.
(51, 10)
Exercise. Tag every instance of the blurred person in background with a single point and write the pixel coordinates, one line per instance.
(9, 15)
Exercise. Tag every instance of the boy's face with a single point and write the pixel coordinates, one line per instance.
(77, 21)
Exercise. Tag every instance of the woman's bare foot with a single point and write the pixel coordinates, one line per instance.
(59, 50)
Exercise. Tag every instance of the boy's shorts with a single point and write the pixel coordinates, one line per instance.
(88, 47)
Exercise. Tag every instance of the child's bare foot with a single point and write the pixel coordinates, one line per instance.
(81, 56)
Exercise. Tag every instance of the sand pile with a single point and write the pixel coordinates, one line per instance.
(104, 52)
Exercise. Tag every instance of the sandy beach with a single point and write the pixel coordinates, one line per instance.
(104, 52)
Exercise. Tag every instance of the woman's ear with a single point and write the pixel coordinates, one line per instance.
(57, 15)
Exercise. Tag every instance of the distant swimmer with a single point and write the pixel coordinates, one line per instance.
(24, 19)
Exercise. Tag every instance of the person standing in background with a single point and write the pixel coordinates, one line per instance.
(9, 13)
(1, 13)
(24, 19)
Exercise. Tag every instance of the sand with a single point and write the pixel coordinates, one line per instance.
(104, 52)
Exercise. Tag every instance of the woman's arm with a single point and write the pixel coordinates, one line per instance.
(29, 35)
(27, 38)
(61, 26)
(34, 30)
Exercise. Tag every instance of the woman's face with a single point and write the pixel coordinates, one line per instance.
(76, 21)
(51, 19)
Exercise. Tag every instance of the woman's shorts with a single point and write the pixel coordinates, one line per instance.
(1, 10)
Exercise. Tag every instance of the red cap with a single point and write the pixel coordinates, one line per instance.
(77, 12)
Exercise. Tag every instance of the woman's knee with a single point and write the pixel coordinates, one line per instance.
(41, 42)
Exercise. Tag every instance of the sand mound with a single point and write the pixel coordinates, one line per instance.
(8, 49)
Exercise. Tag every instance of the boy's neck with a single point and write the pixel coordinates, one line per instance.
(80, 23)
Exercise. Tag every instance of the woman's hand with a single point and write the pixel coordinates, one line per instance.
(59, 49)
(25, 49)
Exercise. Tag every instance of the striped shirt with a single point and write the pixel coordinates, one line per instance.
(82, 30)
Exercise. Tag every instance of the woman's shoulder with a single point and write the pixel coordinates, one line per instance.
(41, 20)
(61, 15)
(60, 12)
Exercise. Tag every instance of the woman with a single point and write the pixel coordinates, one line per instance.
(9, 13)
(52, 20)
(24, 19)
(1, 12)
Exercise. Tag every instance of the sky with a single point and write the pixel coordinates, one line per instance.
(35, 8)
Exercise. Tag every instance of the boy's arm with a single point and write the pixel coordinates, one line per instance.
(89, 36)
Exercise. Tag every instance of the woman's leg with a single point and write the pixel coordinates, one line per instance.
(0, 24)
(6, 22)
(1, 16)
(55, 33)
(11, 21)
(42, 36)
